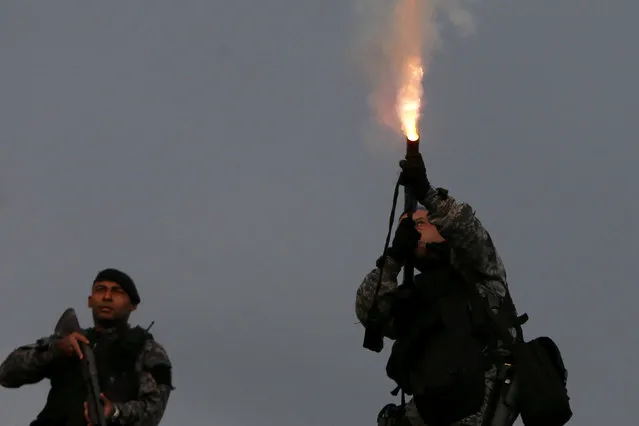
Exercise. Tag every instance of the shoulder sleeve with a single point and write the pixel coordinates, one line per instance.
(365, 298)
(29, 364)
(471, 244)
(155, 386)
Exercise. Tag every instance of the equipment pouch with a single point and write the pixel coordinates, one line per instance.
(543, 396)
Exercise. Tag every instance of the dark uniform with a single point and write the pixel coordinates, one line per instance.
(472, 254)
(134, 373)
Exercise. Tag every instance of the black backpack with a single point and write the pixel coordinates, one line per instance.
(543, 397)
(539, 367)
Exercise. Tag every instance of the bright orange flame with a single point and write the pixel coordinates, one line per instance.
(396, 48)
(410, 69)
(409, 98)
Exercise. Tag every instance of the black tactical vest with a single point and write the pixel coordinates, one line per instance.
(437, 300)
(439, 354)
(115, 354)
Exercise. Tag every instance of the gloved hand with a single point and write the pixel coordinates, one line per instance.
(391, 415)
(405, 240)
(413, 175)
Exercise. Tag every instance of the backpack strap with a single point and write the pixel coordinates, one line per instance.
(501, 321)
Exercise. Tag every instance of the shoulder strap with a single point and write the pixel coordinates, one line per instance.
(135, 338)
(503, 320)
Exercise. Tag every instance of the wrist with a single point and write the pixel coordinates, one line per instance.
(114, 419)
(396, 255)
(54, 345)
(421, 190)
(47, 348)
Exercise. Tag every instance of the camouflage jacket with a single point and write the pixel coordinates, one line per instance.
(29, 364)
(472, 253)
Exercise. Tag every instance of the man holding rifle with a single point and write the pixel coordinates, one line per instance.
(134, 371)
(446, 353)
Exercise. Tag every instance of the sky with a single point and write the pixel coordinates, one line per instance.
(215, 151)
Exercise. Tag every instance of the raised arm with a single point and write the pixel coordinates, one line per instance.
(472, 248)
(28, 364)
(470, 242)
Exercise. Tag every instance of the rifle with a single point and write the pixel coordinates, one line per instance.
(67, 324)
(373, 334)
(410, 205)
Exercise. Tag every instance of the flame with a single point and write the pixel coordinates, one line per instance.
(410, 71)
(409, 97)
(394, 45)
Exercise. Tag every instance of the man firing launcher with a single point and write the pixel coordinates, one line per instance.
(444, 354)
(134, 370)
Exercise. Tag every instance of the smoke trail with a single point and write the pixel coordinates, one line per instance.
(387, 34)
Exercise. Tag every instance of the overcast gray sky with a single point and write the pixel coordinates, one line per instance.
(214, 151)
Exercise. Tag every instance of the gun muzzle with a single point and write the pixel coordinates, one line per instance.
(412, 147)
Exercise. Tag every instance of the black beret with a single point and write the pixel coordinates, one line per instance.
(123, 280)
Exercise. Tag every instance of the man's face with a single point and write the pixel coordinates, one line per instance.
(429, 234)
(109, 301)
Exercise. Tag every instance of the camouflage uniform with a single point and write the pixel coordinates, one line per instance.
(472, 253)
(29, 364)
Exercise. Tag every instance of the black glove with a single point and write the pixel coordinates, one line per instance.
(413, 175)
(405, 240)
(392, 415)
